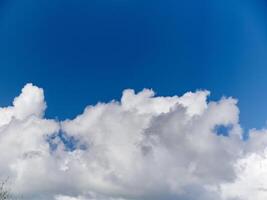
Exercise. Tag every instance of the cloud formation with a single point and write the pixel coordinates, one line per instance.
(141, 147)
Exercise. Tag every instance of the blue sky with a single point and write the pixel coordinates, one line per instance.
(59, 56)
(82, 52)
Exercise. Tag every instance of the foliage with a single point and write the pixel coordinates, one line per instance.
(4, 192)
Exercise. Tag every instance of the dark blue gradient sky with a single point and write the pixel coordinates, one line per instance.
(84, 51)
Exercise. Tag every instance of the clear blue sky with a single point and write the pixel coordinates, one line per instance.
(82, 52)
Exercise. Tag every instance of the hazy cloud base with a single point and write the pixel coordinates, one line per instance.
(140, 148)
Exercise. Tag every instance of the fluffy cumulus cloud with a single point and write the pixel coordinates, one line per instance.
(142, 147)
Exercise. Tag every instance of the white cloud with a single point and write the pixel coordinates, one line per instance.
(29, 102)
(143, 147)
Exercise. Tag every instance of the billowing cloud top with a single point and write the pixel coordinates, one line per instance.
(141, 148)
